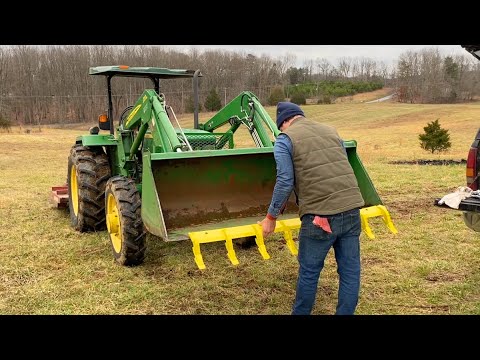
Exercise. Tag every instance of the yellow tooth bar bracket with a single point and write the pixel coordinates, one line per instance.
(228, 234)
(374, 211)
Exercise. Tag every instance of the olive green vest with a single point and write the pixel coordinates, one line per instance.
(324, 180)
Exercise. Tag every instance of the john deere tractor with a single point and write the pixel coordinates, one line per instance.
(143, 172)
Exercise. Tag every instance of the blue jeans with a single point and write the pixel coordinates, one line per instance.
(314, 244)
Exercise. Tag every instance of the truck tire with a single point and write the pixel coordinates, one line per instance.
(88, 172)
(124, 221)
(472, 220)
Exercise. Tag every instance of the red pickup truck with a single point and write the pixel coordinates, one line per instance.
(471, 205)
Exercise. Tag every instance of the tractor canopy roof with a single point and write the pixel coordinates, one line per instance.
(473, 49)
(124, 70)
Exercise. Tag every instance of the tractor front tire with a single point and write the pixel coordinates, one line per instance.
(88, 172)
(124, 221)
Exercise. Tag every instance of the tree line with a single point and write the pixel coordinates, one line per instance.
(50, 84)
(427, 77)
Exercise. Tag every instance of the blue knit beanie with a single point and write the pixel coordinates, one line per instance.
(286, 110)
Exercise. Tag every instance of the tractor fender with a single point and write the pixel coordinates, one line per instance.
(97, 140)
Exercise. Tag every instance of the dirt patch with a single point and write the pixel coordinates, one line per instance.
(372, 261)
(444, 277)
(429, 162)
(406, 209)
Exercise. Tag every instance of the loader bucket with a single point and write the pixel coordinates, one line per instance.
(369, 193)
(187, 191)
(219, 195)
(373, 204)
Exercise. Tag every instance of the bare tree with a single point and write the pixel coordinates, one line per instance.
(344, 66)
(4, 69)
(431, 85)
(324, 67)
(286, 62)
(383, 71)
(408, 77)
(308, 66)
(355, 70)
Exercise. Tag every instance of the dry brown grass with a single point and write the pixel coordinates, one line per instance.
(432, 266)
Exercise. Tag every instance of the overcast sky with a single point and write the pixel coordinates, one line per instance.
(387, 53)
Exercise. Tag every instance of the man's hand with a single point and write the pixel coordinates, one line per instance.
(268, 226)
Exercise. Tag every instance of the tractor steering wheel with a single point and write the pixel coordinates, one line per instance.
(124, 113)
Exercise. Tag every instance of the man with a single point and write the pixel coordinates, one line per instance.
(312, 161)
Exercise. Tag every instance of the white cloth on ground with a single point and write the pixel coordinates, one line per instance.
(453, 199)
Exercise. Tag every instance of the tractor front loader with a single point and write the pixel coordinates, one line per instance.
(148, 174)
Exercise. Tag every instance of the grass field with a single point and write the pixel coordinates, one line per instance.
(432, 266)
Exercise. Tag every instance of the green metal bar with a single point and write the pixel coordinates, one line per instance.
(239, 108)
(97, 140)
(227, 136)
(152, 214)
(149, 111)
(164, 128)
(141, 111)
(231, 110)
(369, 193)
(265, 117)
(260, 117)
(212, 153)
(138, 140)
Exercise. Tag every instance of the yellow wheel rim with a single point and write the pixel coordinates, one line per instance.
(113, 223)
(74, 189)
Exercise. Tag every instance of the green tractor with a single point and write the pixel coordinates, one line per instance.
(146, 174)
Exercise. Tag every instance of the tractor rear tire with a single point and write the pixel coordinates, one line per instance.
(88, 172)
(124, 221)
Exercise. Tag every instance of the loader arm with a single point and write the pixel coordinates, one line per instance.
(149, 113)
(244, 109)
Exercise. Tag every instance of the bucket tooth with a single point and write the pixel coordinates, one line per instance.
(260, 241)
(374, 211)
(196, 250)
(287, 226)
(229, 245)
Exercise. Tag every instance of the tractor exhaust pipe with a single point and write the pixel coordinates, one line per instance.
(195, 98)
